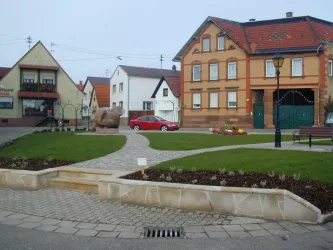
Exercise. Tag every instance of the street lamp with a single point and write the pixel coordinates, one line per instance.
(278, 62)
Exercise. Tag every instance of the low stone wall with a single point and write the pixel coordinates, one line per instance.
(268, 204)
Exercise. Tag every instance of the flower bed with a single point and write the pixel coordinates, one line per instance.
(229, 130)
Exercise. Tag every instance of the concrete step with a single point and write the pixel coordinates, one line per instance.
(84, 184)
(84, 173)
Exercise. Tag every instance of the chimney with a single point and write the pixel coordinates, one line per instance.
(174, 68)
(252, 20)
(289, 14)
(80, 85)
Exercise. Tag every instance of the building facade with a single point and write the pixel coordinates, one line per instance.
(35, 87)
(228, 76)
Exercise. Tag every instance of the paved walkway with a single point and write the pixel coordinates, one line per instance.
(80, 213)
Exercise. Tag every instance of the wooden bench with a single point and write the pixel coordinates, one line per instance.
(313, 132)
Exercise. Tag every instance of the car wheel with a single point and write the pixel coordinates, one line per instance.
(164, 128)
(136, 128)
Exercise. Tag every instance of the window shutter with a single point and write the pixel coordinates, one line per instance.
(6, 99)
(196, 100)
(213, 100)
(213, 71)
(232, 99)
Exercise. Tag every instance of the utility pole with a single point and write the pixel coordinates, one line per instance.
(52, 44)
(161, 60)
(29, 41)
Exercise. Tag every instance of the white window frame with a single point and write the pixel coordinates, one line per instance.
(293, 67)
(114, 89)
(220, 38)
(268, 75)
(121, 104)
(330, 68)
(29, 77)
(215, 103)
(211, 77)
(196, 105)
(7, 99)
(206, 44)
(167, 92)
(230, 77)
(233, 101)
(145, 105)
(193, 76)
(48, 77)
(121, 87)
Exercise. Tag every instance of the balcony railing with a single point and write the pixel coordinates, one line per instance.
(38, 87)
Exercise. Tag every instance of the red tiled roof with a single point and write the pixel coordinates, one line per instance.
(54, 95)
(285, 35)
(102, 94)
(174, 84)
(4, 71)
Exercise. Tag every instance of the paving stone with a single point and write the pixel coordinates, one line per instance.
(233, 228)
(65, 223)
(196, 235)
(11, 222)
(129, 235)
(251, 227)
(315, 228)
(47, 228)
(139, 230)
(48, 221)
(86, 225)
(239, 234)
(259, 233)
(271, 225)
(213, 228)
(125, 228)
(298, 230)
(278, 231)
(18, 216)
(218, 235)
(245, 220)
(329, 225)
(3, 218)
(67, 230)
(193, 229)
(29, 225)
(33, 219)
(108, 234)
(86, 232)
(287, 224)
(4, 213)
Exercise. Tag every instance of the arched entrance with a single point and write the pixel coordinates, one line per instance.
(296, 108)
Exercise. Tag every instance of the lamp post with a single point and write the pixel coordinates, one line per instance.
(278, 62)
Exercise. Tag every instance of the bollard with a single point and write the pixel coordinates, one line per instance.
(310, 140)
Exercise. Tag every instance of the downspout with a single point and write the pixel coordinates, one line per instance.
(128, 95)
(318, 92)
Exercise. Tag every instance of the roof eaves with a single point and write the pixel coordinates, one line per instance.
(287, 50)
(158, 87)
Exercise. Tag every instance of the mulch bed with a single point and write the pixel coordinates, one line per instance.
(319, 194)
(31, 164)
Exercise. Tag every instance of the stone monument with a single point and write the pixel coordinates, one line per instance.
(107, 121)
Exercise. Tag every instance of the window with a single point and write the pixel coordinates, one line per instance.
(165, 92)
(196, 100)
(220, 43)
(206, 44)
(214, 100)
(232, 70)
(48, 79)
(120, 104)
(28, 78)
(297, 67)
(114, 104)
(121, 87)
(330, 68)
(147, 105)
(144, 118)
(114, 89)
(34, 107)
(6, 102)
(232, 99)
(196, 73)
(270, 69)
(213, 72)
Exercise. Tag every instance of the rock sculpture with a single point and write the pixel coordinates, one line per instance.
(108, 118)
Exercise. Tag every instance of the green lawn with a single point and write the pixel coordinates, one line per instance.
(323, 142)
(64, 146)
(189, 141)
(311, 165)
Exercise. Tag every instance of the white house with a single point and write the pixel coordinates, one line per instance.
(88, 90)
(167, 100)
(131, 88)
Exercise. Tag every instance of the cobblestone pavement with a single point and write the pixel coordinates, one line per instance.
(7, 134)
(137, 146)
(80, 213)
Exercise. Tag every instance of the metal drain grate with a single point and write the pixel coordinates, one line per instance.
(163, 232)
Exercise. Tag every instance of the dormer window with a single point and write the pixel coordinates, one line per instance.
(206, 44)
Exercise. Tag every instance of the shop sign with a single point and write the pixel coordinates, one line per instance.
(4, 91)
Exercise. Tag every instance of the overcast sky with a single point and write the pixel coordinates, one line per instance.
(137, 30)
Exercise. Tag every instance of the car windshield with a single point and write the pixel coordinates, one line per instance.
(159, 118)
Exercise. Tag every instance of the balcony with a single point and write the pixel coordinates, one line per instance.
(38, 87)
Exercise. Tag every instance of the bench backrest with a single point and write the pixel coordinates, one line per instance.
(316, 131)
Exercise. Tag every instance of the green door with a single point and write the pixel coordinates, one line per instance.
(294, 117)
(258, 116)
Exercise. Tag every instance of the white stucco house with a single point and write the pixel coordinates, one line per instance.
(88, 88)
(132, 87)
(166, 95)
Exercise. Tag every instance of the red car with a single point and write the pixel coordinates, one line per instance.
(149, 122)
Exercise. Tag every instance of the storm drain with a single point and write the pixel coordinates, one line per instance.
(163, 232)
